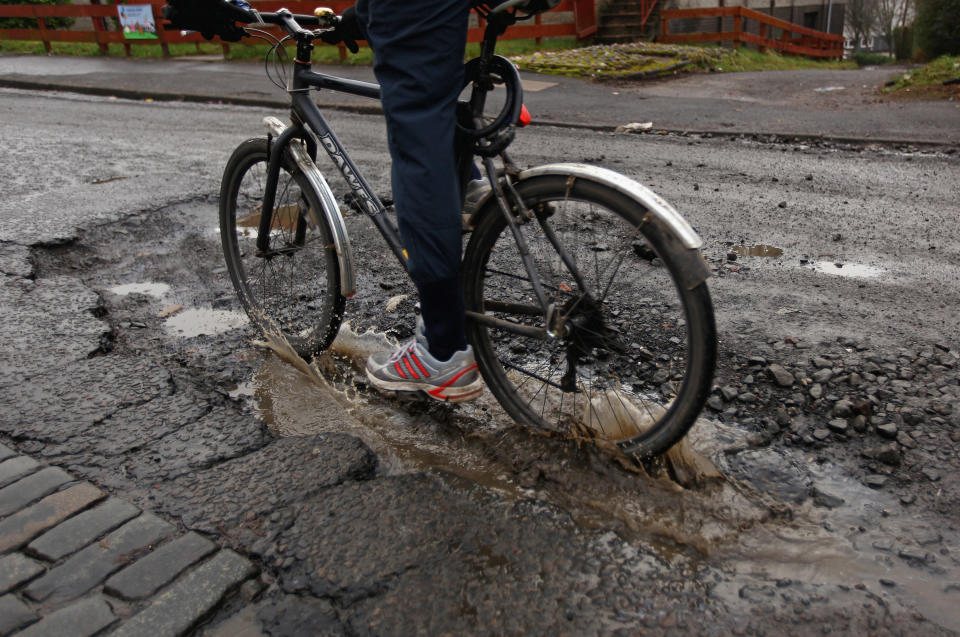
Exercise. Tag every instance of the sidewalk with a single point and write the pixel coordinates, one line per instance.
(834, 105)
(74, 561)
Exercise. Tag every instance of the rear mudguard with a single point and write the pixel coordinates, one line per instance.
(331, 210)
(673, 228)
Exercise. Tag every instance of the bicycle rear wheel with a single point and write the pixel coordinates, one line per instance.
(634, 348)
(293, 287)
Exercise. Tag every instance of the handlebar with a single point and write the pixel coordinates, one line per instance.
(220, 17)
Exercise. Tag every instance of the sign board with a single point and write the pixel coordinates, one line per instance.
(136, 20)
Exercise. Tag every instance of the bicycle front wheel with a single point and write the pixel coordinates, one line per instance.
(630, 352)
(289, 285)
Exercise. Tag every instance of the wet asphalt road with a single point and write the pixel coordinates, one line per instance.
(106, 192)
(811, 103)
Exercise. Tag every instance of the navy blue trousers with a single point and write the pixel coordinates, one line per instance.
(418, 48)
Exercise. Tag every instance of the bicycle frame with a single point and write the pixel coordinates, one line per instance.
(305, 113)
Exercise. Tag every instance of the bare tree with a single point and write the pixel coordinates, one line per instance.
(862, 17)
(887, 12)
(891, 15)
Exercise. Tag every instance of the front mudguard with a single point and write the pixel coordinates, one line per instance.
(674, 235)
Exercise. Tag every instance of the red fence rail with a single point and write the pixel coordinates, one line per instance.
(793, 39)
(582, 23)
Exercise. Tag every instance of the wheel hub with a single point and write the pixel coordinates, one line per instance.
(586, 334)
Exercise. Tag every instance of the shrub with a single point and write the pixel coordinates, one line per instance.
(871, 59)
(31, 23)
(938, 27)
(903, 43)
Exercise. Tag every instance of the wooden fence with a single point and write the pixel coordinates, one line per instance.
(760, 31)
(581, 23)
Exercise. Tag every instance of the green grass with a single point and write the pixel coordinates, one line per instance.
(935, 73)
(322, 54)
(872, 59)
(744, 59)
(645, 59)
(114, 49)
(558, 56)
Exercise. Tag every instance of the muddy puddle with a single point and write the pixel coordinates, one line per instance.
(835, 268)
(156, 290)
(478, 441)
(855, 270)
(859, 544)
(183, 321)
(198, 321)
(760, 250)
(723, 523)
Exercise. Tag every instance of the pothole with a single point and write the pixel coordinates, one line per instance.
(760, 250)
(853, 270)
(156, 290)
(199, 321)
(478, 442)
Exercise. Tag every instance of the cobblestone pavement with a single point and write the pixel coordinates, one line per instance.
(75, 561)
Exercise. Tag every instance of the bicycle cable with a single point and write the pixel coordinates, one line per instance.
(278, 76)
(281, 62)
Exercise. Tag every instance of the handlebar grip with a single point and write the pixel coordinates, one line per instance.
(209, 17)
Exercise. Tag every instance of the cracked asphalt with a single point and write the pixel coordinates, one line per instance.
(350, 536)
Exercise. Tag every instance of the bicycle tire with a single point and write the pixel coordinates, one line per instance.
(651, 338)
(293, 288)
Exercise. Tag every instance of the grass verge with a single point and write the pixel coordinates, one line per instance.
(638, 60)
(322, 54)
(557, 56)
(927, 82)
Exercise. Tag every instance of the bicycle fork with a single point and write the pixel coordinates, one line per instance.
(553, 321)
(284, 140)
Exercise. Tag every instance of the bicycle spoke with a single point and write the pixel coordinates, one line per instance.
(617, 342)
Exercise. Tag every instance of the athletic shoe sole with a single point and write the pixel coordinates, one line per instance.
(438, 392)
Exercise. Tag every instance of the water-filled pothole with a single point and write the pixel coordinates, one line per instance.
(759, 250)
(479, 442)
(198, 321)
(836, 268)
(156, 290)
(730, 523)
(853, 270)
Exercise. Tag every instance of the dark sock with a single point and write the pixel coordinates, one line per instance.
(442, 309)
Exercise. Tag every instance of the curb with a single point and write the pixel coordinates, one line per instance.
(362, 109)
(76, 560)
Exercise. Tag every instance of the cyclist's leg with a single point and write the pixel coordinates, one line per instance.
(418, 48)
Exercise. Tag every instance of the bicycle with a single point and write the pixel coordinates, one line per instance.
(587, 303)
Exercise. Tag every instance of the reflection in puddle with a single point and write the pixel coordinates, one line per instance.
(156, 290)
(847, 269)
(199, 321)
(757, 251)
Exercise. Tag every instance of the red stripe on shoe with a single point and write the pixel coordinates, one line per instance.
(399, 370)
(406, 361)
(439, 390)
(416, 360)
